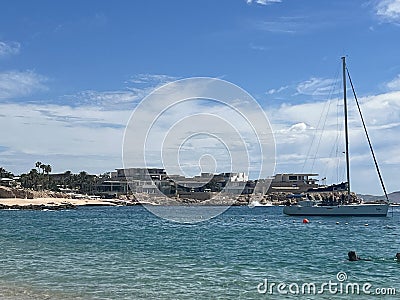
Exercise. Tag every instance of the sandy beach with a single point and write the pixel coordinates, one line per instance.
(54, 201)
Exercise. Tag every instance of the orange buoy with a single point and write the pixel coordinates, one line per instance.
(306, 221)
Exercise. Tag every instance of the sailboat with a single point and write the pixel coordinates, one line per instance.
(346, 206)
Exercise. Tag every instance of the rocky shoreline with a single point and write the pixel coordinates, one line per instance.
(37, 207)
(46, 200)
(61, 204)
(276, 198)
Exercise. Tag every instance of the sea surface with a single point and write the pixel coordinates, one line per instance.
(129, 253)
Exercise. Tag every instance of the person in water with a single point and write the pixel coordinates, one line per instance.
(354, 257)
(398, 256)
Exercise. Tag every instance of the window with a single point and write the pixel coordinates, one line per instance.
(292, 177)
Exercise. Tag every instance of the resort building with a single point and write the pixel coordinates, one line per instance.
(293, 182)
(112, 188)
(156, 180)
(141, 174)
(136, 180)
(9, 182)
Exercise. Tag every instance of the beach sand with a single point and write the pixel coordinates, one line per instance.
(54, 201)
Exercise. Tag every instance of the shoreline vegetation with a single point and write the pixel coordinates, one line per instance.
(37, 190)
(40, 190)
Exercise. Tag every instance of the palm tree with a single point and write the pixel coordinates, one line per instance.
(82, 176)
(82, 179)
(67, 182)
(47, 169)
(2, 172)
(30, 180)
(34, 177)
(5, 174)
(38, 165)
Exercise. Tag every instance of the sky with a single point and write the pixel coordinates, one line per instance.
(72, 73)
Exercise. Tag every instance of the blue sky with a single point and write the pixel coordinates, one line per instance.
(71, 72)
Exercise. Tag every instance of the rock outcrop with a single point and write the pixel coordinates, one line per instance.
(9, 192)
(39, 206)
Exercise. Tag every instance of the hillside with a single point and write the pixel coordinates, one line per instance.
(394, 197)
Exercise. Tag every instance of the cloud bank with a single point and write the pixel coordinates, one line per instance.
(14, 84)
(88, 135)
(388, 10)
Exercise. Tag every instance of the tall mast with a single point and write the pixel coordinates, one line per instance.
(346, 130)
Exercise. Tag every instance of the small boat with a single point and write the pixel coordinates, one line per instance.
(257, 203)
(345, 206)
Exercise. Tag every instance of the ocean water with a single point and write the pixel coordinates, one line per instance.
(128, 253)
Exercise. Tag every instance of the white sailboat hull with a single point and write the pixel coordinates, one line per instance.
(373, 210)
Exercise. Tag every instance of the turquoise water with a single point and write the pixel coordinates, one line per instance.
(128, 253)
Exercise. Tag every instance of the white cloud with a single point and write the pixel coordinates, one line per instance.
(394, 85)
(259, 47)
(19, 84)
(317, 87)
(104, 99)
(285, 24)
(137, 88)
(382, 110)
(302, 145)
(278, 90)
(152, 79)
(263, 2)
(89, 136)
(60, 134)
(9, 48)
(176, 120)
(279, 26)
(388, 10)
(299, 127)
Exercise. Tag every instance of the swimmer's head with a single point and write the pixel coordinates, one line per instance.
(352, 256)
